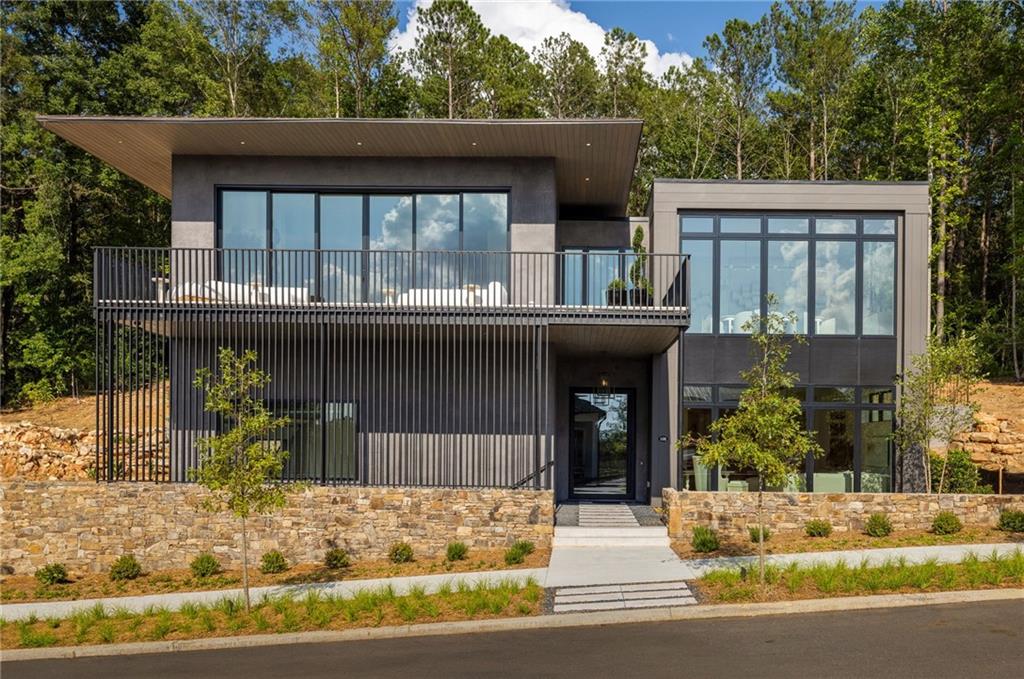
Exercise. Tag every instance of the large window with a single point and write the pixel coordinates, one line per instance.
(787, 279)
(347, 247)
(739, 284)
(879, 283)
(702, 283)
(835, 287)
(314, 437)
(853, 425)
(835, 273)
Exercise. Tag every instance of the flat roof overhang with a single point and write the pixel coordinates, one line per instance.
(594, 158)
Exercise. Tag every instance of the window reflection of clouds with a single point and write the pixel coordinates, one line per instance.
(390, 222)
(879, 265)
(787, 279)
(835, 283)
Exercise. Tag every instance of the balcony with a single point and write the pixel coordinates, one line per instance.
(393, 286)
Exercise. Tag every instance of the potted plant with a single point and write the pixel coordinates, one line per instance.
(616, 293)
(642, 293)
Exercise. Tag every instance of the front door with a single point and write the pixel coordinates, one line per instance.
(602, 443)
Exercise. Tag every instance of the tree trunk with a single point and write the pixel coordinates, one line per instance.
(245, 566)
(760, 530)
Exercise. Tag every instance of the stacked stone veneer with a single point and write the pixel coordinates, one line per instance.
(87, 525)
(732, 513)
(994, 444)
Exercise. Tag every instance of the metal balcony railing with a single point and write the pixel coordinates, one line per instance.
(567, 284)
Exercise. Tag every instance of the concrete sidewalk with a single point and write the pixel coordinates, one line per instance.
(174, 601)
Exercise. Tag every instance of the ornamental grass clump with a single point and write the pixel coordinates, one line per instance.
(946, 523)
(704, 539)
(878, 526)
(456, 551)
(818, 528)
(400, 552)
(336, 559)
(273, 562)
(756, 532)
(126, 567)
(518, 552)
(52, 574)
(205, 565)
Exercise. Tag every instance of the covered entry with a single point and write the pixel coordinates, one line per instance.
(602, 445)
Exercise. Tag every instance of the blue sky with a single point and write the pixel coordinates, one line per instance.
(675, 29)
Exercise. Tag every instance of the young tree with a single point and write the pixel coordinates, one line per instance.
(569, 78)
(241, 467)
(449, 58)
(937, 401)
(741, 57)
(765, 435)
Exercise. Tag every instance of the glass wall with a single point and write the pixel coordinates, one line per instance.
(320, 224)
(787, 279)
(702, 283)
(836, 273)
(739, 284)
(853, 425)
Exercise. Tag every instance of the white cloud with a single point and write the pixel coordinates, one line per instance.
(528, 22)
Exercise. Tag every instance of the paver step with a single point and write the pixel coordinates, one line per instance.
(618, 597)
(611, 536)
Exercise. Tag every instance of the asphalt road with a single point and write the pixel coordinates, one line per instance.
(963, 640)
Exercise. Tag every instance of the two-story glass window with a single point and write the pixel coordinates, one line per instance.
(835, 274)
(344, 247)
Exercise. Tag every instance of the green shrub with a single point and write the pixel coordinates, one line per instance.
(125, 568)
(962, 475)
(52, 574)
(946, 523)
(704, 539)
(400, 552)
(456, 551)
(518, 552)
(336, 558)
(818, 528)
(755, 533)
(878, 526)
(273, 562)
(1012, 520)
(205, 565)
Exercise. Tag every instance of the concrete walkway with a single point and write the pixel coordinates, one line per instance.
(174, 601)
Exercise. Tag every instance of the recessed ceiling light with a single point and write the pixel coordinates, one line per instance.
(586, 179)
(474, 143)
(588, 143)
(120, 141)
(242, 143)
(359, 143)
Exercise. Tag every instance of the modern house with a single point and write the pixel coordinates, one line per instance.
(460, 303)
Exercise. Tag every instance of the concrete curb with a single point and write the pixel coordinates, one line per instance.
(527, 623)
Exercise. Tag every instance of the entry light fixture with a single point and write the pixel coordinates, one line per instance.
(604, 388)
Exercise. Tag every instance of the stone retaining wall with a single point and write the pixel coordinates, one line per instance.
(994, 444)
(732, 513)
(87, 525)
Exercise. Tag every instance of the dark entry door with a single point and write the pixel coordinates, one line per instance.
(602, 443)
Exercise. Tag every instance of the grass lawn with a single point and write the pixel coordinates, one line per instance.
(836, 580)
(794, 543)
(313, 611)
(22, 588)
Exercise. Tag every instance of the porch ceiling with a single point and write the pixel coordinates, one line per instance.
(618, 340)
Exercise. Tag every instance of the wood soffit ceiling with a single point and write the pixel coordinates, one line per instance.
(594, 158)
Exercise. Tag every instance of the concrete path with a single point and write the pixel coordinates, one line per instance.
(622, 597)
(854, 557)
(174, 601)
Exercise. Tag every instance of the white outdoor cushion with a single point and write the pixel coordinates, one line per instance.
(494, 294)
